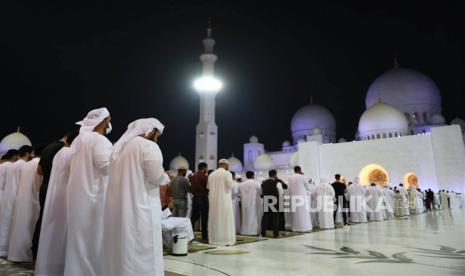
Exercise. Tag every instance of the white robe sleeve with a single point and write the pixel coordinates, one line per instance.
(153, 165)
(101, 155)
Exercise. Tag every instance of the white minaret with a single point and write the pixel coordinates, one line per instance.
(206, 145)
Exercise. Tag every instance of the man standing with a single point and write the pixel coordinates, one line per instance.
(179, 189)
(341, 202)
(271, 191)
(200, 200)
(404, 203)
(249, 191)
(221, 227)
(52, 239)
(444, 198)
(357, 202)
(26, 211)
(45, 168)
(12, 178)
(429, 200)
(300, 202)
(9, 158)
(86, 194)
(374, 197)
(325, 202)
(133, 236)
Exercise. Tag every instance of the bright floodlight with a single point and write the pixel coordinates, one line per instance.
(208, 84)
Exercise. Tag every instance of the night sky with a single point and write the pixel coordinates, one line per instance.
(61, 60)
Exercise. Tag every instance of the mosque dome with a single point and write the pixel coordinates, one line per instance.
(253, 139)
(294, 160)
(310, 117)
(14, 140)
(235, 164)
(460, 122)
(286, 144)
(178, 162)
(381, 121)
(408, 90)
(264, 162)
(437, 119)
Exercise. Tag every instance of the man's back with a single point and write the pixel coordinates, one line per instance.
(199, 184)
(179, 187)
(339, 188)
(269, 188)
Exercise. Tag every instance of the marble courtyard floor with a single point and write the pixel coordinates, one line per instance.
(425, 244)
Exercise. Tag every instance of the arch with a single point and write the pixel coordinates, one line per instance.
(411, 180)
(373, 173)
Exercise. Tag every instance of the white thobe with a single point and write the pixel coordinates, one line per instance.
(52, 241)
(374, 195)
(173, 226)
(388, 203)
(444, 202)
(419, 202)
(221, 227)
(3, 167)
(300, 203)
(26, 212)
(133, 242)
(236, 209)
(325, 204)
(357, 203)
(250, 192)
(404, 204)
(12, 176)
(85, 199)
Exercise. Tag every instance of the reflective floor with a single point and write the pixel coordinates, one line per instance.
(426, 244)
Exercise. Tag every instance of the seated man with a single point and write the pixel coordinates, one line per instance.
(174, 226)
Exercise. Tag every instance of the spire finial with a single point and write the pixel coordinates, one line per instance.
(311, 99)
(209, 28)
(18, 129)
(396, 62)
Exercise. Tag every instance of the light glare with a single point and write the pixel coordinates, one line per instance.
(208, 84)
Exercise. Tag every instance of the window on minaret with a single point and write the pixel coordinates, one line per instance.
(425, 117)
(415, 117)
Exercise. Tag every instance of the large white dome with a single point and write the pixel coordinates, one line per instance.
(382, 121)
(310, 117)
(235, 164)
(263, 162)
(408, 90)
(178, 162)
(14, 140)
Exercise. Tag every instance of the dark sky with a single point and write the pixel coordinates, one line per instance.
(61, 60)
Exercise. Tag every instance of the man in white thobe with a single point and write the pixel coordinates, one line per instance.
(175, 226)
(7, 159)
(26, 212)
(388, 203)
(444, 198)
(250, 200)
(12, 178)
(357, 202)
(300, 202)
(235, 197)
(404, 204)
(325, 204)
(133, 242)
(221, 225)
(52, 241)
(311, 194)
(373, 197)
(86, 192)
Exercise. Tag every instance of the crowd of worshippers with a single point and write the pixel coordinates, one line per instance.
(83, 206)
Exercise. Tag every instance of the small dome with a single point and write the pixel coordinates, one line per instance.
(460, 122)
(178, 162)
(342, 140)
(382, 119)
(253, 139)
(14, 140)
(438, 119)
(316, 131)
(312, 116)
(264, 162)
(235, 164)
(408, 90)
(286, 144)
(294, 160)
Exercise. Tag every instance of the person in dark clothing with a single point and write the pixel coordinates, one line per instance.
(45, 168)
(340, 189)
(429, 199)
(200, 199)
(271, 190)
